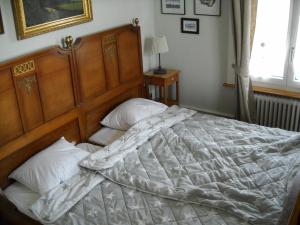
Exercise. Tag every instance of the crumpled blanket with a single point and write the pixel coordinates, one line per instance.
(240, 170)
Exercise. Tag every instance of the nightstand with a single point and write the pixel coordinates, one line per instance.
(163, 82)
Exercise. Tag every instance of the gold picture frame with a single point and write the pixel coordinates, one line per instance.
(33, 23)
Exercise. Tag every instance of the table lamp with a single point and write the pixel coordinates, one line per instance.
(159, 46)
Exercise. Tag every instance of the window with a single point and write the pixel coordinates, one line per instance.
(296, 60)
(275, 57)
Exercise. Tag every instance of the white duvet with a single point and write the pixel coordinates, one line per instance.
(225, 170)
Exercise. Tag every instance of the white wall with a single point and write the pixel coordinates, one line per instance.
(107, 14)
(203, 58)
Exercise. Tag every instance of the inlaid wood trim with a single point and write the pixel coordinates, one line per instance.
(109, 39)
(26, 83)
(110, 51)
(23, 68)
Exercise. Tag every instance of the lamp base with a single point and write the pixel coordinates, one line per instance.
(160, 71)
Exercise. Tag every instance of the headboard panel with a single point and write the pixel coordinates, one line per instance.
(129, 55)
(90, 68)
(57, 92)
(55, 71)
(33, 90)
(38, 105)
(107, 60)
(10, 127)
(109, 71)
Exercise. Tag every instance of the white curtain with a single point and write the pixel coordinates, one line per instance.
(244, 17)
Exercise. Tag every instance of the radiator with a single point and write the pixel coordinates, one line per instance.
(278, 112)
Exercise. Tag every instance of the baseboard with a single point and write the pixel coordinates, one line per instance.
(231, 116)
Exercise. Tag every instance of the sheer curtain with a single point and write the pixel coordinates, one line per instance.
(244, 17)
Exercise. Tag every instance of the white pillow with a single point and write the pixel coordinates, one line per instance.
(47, 169)
(132, 111)
(106, 136)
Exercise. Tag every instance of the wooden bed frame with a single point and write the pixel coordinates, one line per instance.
(66, 92)
(63, 92)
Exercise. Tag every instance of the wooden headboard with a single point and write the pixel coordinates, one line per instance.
(109, 71)
(57, 92)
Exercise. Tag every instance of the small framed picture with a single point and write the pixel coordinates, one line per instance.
(1, 24)
(189, 25)
(207, 7)
(176, 7)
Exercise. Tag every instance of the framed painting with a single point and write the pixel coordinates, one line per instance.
(190, 25)
(1, 24)
(176, 7)
(34, 17)
(207, 7)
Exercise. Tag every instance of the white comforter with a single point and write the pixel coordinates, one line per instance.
(212, 165)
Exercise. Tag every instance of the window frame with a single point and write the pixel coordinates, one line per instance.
(294, 24)
(287, 81)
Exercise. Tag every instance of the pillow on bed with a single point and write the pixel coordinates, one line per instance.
(106, 136)
(47, 169)
(131, 112)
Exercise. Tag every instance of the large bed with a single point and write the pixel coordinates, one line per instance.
(177, 166)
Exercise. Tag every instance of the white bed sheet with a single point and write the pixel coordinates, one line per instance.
(23, 198)
(89, 147)
(105, 136)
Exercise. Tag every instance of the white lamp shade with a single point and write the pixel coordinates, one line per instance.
(159, 45)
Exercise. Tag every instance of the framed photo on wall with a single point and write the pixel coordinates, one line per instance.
(190, 25)
(207, 7)
(1, 24)
(176, 7)
(34, 17)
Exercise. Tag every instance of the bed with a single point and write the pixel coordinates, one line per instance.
(174, 167)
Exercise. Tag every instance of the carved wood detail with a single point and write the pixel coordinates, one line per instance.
(24, 68)
(27, 83)
(109, 39)
(110, 51)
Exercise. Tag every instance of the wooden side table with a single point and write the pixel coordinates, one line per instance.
(163, 81)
